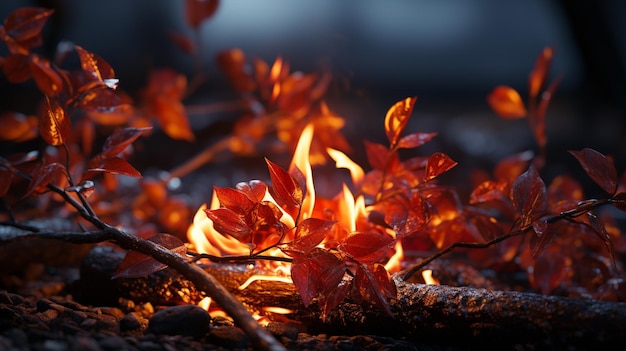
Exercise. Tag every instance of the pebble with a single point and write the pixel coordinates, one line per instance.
(190, 320)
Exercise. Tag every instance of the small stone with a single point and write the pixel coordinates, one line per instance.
(229, 337)
(279, 330)
(132, 321)
(190, 320)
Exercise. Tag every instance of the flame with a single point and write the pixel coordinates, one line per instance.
(427, 274)
(301, 161)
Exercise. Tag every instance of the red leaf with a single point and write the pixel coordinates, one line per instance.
(317, 272)
(602, 234)
(183, 42)
(94, 66)
(54, 125)
(438, 163)
(405, 216)
(377, 155)
(228, 222)
(487, 191)
(234, 199)
(16, 68)
(254, 189)
(540, 72)
(415, 139)
(598, 167)
(113, 165)
(529, 196)
(17, 127)
(24, 25)
(196, 11)
(48, 80)
(43, 177)
(511, 167)
(397, 118)
(549, 271)
(136, 264)
(286, 190)
(374, 286)
(367, 247)
(310, 233)
(120, 140)
(506, 102)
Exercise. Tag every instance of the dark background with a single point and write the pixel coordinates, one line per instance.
(450, 54)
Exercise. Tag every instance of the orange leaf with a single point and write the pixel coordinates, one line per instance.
(16, 68)
(24, 26)
(540, 72)
(397, 117)
(437, 164)
(506, 102)
(17, 127)
(54, 125)
(94, 66)
(48, 80)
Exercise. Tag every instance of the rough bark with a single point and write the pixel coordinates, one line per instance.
(459, 317)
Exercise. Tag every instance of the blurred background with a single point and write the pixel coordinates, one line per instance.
(450, 54)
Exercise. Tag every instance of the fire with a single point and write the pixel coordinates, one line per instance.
(427, 274)
(350, 212)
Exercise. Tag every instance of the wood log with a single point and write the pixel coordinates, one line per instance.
(459, 317)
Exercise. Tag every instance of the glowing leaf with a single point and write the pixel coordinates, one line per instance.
(114, 165)
(286, 189)
(94, 66)
(136, 264)
(44, 176)
(254, 189)
(234, 200)
(415, 139)
(397, 118)
(598, 167)
(196, 11)
(540, 72)
(374, 286)
(228, 222)
(367, 247)
(438, 163)
(319, 272)
(54, 125)
(506, 102)
(310, 233)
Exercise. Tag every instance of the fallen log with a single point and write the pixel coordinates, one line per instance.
(459, 317)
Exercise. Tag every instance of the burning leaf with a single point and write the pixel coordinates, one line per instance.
(373, 284)
(319, 272)
(397, 118)
(506, 102)
(310, 233)
(136, 264)
(487, 191)
(286, 190)
(598, 167)
(529, 196)
(367, 247)
(196, 11)
(234, 199)
(438, 163)
(405, 216)
(24, 27)
(254, 189)
(54, 125)
(540, 72)
(378, 155)
(229, 222)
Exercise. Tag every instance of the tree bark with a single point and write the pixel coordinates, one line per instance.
(459, 317)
